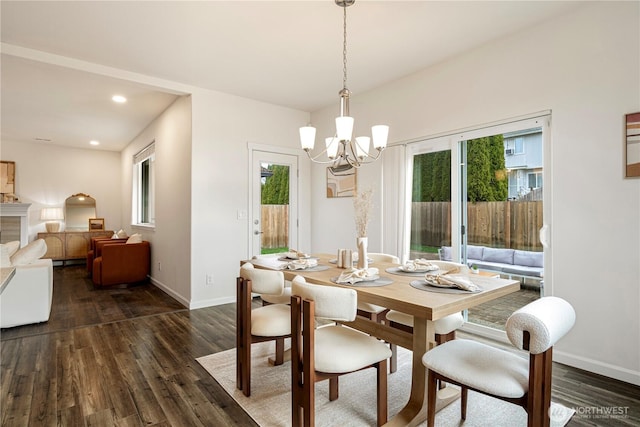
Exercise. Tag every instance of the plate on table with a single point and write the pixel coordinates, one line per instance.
(354, 261)
(401, 272)
(426, 286)
(296, 255)
(424, 269)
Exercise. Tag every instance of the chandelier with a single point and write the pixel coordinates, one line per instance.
(342, 148)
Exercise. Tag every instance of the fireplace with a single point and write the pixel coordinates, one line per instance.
(14, 223)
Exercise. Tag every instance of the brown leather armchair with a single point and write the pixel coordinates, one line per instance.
(121, 263)
(92, 249)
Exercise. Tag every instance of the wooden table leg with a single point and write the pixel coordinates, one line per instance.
(415, 411)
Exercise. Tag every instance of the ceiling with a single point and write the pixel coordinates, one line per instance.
(59, 59)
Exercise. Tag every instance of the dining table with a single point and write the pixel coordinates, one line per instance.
(398, 290)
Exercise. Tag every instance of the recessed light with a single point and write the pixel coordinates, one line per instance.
(119, 99)
(94, 142)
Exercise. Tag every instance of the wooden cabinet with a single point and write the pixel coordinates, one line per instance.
(69, 245)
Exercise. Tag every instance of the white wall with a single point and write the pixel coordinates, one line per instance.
(170, 239)
(47, 174)
(585, 67)
(223, 126)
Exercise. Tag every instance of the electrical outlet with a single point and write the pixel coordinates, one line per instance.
(209, 279)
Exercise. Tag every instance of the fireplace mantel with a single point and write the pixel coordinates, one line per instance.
(20, 210)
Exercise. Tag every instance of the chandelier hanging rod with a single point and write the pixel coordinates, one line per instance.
(342, 148)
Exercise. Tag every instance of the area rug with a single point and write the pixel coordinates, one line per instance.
(270, 401)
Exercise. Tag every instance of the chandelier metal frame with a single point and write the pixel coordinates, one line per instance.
(342, 148)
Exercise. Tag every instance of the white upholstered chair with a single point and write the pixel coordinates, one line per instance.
(268, 323)
(284, 297)
(534, 328)
(445, 328)
(326, 352)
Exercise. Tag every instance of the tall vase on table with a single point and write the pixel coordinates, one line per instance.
(362, 209)
(363, 261)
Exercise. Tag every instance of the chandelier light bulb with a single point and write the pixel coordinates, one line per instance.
(362, 146)
(332, 147)
(307, 137)
(380, 134)
(344, 128)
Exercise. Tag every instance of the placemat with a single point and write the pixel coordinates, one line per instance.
(423, 286)
(311, 269)
(398, 271)
(382, 281)
(284, 258)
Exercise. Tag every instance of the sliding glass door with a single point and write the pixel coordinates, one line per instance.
(430, 199)
(477, 198)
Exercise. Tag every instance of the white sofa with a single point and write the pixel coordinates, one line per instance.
(28, 296)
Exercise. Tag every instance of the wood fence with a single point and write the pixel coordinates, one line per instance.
(510, 224)
(275, 226)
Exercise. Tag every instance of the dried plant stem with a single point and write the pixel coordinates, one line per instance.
(362, 204)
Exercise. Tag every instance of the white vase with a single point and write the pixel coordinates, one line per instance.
(363, 261)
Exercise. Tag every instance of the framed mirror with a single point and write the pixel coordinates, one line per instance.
(79, 208)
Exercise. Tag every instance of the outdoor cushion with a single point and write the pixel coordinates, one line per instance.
(504, 256)
(475, 252)
(528, 258)
(340, 349)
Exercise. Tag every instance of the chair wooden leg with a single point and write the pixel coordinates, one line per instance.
(279, 352)
(431, 398)
(464, 392)
(393, 365)
(381, 371)
(243, 336)
(308, 357)
(296, 364)
(333, 388)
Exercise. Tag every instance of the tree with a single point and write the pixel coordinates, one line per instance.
(432, 177)
(275, 189)
(486, 175)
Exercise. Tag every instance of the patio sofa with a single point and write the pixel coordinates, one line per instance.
(512, 262)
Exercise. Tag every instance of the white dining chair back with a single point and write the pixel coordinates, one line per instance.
(534, 328)
(330, 350)
(268, 323)
(381, 257)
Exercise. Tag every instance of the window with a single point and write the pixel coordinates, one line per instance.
(514, 145)
(535, 180)
(143, 209)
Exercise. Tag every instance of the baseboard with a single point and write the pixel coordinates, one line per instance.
(170, 291)
(211, 302)
(586, 364)
(600, 368)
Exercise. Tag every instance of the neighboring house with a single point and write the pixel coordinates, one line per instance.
(523, 160)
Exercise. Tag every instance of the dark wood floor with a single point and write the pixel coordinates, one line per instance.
(126, 357)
